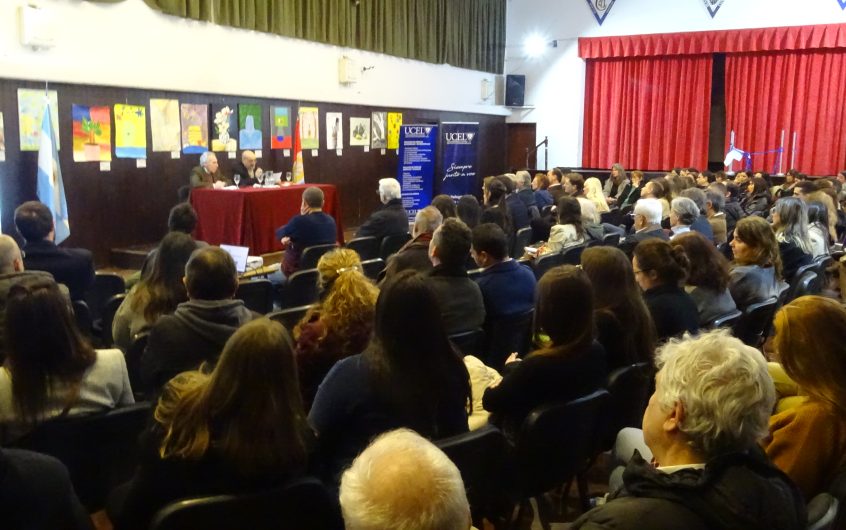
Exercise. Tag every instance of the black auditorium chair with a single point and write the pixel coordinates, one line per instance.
(290, 317)
(82, 315)
(726, 321)
(108, 317)
(521, 241)
(391, 244)
(469, 342)
(367, 247)
(373, 267)
(301, 289)
(257, 295)
(106, 285)
(506, 335)
(311, 255)
(611, 240)
(752, 328)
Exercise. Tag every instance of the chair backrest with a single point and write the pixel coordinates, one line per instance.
(614, 217)
(372, 267)
(367, 247)
(573, 255)
(822, 512)
(302, 504)
(726, 321)
(555, 441)
(547, 210)
(109, 311)
(482, 458)
(506, 335)
(99, 450)
(391, 244)
(469, 342)
(133, 361)
(256, 294)
(611, 240)
(301, 288)
(804, 285)
(534, 213)
(82, 315)
(544, 263)
(629, 389)
(106, 285)
(753, 326)
(183, 194)
(289, 317)
(311, 255)
(521, 241)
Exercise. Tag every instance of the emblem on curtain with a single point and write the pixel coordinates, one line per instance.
(601, 8)
(715, 5)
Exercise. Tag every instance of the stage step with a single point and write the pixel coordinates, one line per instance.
(130, 257)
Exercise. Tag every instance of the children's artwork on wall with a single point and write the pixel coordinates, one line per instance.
(195, 128)
(309, 128)
(92, 134)
(225, 124)
(249, 124)
(394, 123)
(130, 131)
(359, 131)
(334, 130)
(280, 128)
(379, 135)
(164, 124)
(31, 112)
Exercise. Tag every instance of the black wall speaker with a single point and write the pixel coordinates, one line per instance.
(515, 90)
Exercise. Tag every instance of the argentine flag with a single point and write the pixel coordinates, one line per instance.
(51, 190)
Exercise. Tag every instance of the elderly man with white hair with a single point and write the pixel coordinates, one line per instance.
(647, 223)
(415, 253)
(711, 407)
(402, 481)
(207, 174)
(392, 218)
(683, 212)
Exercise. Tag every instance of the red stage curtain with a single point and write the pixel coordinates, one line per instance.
(647, 113)
(795, 91)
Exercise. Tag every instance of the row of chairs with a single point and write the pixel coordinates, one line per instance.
(498, 339)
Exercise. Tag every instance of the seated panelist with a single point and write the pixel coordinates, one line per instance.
(207, 174)
(247, 169)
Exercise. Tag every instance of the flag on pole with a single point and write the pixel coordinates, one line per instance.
(51, 190)
(298, 170)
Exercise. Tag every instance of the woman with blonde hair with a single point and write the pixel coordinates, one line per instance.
(338, 326)
(808, 441)
(240, 428)
(593, 191)
(755, 275)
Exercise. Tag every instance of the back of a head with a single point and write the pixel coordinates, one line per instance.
(490, 238)
(496, 192)
(524, 179)
(793, 221)
(707, 266)
(182, 218)
(453, 240)
(211, 274)
(445, 205)
(650, 209)
(33, 220)
(697, 196)
(564, 308)
(759, 185)
(577, 181)
(174, 252)
(389, 188)
(670, 264)
(716, 197)
(427, 220)
(9, 254)
(403, 482)
(349, 296)
(569, 212)
(817, 213)
(611, 275)
(724, 387)
(313, 197)
(589, 212)
(685, 209)
(593, 188)
(469, 210)
(508, 182)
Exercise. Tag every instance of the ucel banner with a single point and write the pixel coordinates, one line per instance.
(459, 158)
(416, 168)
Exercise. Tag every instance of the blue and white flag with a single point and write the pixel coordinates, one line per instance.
(51, 190)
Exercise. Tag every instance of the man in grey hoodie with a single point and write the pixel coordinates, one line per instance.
(196, 332)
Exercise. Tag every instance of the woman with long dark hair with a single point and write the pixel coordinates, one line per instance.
(755, 274)
(757, 199)
(468, 210)
(496, 210)
(568, 232)
(707, 277)
(790, 223)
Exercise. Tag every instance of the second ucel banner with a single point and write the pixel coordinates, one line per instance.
(459, 167)
(416, 167)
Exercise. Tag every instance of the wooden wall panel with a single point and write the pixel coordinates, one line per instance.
(128, 206)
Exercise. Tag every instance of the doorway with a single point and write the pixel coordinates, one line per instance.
(521, 141)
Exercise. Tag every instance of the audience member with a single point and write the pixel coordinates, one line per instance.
(568, 232)
(683, 212)
(660, 269)
(710, 407)
(704, 179)
(647, 224)
(415, 253)
(700, 223)
(623, 324)
(615, 185)
(445, 205)
(715, 203)
(571, 364)
(593, 191)
(469, 210)
(756, 272)
(541, 186)
(707, 277)
(246, 168)
(207, 174)
(574, 185)
(631, 193)
(508, 288)
(403, 481)
(523, 183)
(312, 227)
(392, 219)
(409, 376)
(734, 211)
(339, 325)
(835, 227)
(51, 370)
(182, 218)
(518, 212)
(556, 179)
(656, 189)
(73, 267)
(496, 210)
(757, 200)
(591, 220)
(790, 222)
(818, 229)
(198, 329)
(237, 429)
(803, 188)
(790, 181)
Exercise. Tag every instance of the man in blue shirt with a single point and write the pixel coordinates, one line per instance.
(311, 227)
(508, 288)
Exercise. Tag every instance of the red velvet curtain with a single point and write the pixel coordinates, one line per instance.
(801, 91)
(648, 113)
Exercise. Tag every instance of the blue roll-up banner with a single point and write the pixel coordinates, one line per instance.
(459, 167)
(416, 168)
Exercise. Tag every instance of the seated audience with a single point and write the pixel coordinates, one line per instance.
(593, 191)
(518, 212)
(591, 222)
(683, 212)
(403, 481)
(835, 220)
(756, 271)
(247, 170)
(808, 441)
(631, 193)
(508, 288)
(207, 174)
(459, 298)
(790, 181)
(574, 185)
(73, 267)
(704, 179)
(496, 210)
(660, 269)
(734, 211)
(234, 430)
(818, 229)
(415, 253)
(156, 295)
(198, 329)
(182, 218)
(312, 227)
(469, 210)
(657, 189)
(51, 369)
(623, 324)
(804, 188)
(523, 185)
(339, 325)
(392, 219)
(757, 200)
(615, 185)
(571, 364)
(647, 225)
(409, 376)
(556, 180)
(715, 203)
(710, 407)
(541, 186)
(700, 224)
(568, 232)
(707, 277)
(790, 223)
(445, 205)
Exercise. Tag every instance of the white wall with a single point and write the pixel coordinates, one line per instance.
(555, 81)
(129, 44)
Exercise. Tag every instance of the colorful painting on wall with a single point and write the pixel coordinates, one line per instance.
(334, 130)
(164, 124)
(379, 126)
(130, 131)
(309, 128)
(31, 112)
(195, 128)
(360, 131)
(249, 123)
(280, 128)
(394, 123)
(92, 134)
(225, 125)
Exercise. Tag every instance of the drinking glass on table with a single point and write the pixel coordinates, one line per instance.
(260, 177)
(288, 176)
(237, 179)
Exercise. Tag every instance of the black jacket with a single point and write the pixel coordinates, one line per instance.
(734, 213)
(792, 258)
(673, 311)
(733, 492)
(389, 220)
(73, 267)
(628, 244)
(238, 168)
(459, 297)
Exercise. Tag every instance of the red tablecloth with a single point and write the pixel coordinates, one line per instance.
(249, 217)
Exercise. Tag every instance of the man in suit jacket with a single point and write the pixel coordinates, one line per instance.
(415, 253)
(207, 174)
(556, 179)
(647, 223)
(392, 218)
(73, 267)
(247, 169)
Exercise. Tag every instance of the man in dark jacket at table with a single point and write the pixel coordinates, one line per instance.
(391, 219)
